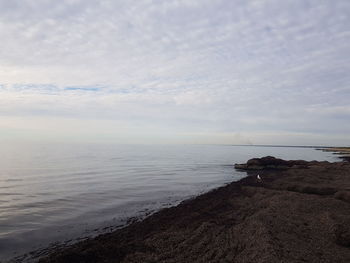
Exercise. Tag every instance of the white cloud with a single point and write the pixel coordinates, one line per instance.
(188, 66)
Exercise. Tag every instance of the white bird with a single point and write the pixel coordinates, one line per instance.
(258, 177)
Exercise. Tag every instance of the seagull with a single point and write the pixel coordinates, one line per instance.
(259, 178)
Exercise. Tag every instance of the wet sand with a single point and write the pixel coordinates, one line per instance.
(299, 213)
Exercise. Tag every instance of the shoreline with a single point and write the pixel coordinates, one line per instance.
(342, 152)
(296, 214)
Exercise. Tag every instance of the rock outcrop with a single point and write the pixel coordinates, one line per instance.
(271, 163)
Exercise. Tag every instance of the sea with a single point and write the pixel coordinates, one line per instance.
(52, 194)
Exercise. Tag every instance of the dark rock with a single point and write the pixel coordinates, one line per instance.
(317, 190)
(342, 235)
(345, 158)
(343, 195)
(271, 163)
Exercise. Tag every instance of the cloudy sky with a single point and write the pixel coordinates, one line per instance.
(176, 71)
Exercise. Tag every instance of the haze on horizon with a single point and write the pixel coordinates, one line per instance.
(177, 71)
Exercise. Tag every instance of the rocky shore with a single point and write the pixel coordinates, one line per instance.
(343, 152)
(295, 211)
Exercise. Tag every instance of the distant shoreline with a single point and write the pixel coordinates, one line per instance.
(296, 214)
(331, 148)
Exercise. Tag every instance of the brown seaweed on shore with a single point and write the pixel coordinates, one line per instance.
(291, 215)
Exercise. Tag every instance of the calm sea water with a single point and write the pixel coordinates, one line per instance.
(57, 192)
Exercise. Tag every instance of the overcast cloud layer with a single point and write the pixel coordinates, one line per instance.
(185, 71)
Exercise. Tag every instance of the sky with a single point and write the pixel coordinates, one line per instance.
(175, 71)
